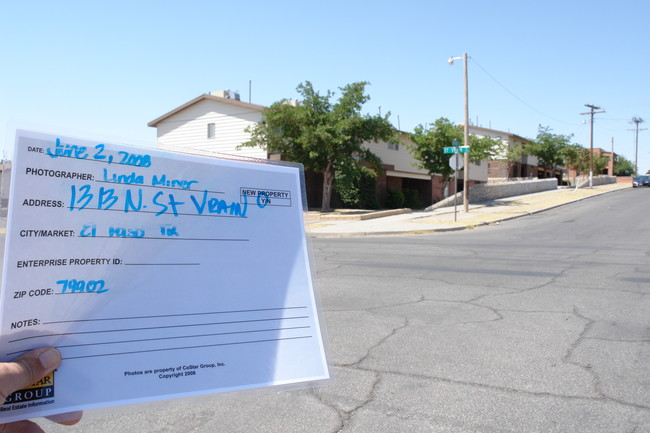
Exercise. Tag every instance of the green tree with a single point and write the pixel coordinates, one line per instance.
(623, 166)
(357, 188)
(428, 144)
(576, 157)
(600, 163)
(324, 136)
(482, 148)
(515, 153)
(549, 147)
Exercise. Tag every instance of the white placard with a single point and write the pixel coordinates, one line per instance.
(157, 275)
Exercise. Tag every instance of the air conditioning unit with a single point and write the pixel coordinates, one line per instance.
(228, 94)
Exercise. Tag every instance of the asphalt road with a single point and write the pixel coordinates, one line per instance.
(540, 324)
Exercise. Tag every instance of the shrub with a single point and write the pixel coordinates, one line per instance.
(356, 189)
(412, 199)
(395, 199)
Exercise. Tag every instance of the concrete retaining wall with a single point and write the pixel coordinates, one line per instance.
(596, 180)
(486, 191)
(492, 191)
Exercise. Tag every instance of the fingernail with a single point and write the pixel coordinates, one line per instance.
(50, 358)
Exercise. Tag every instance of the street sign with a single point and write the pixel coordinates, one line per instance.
(456, 161)
(459, 149)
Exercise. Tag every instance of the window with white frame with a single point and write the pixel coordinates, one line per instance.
(393, 146)
(211, 131)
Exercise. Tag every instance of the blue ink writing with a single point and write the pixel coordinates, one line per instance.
(99, 156)
(84, 200)
(121, 232)
(217, 206)
(136, 200)
(173, 183)
(83, 286)
(67, 150)
(165, 207)
(107, 198)
(100, 150)
(129, 204)
(80, 152)
(168, 230)
(128, 179)
(262, 199)
(88, 230)
(133, 159)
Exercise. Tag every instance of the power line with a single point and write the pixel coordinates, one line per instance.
(518, 98)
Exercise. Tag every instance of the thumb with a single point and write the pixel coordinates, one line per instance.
(27, 369)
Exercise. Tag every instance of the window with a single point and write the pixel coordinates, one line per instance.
(210, 131)
(393, 146)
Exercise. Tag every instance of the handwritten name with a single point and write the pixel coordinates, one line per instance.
(138, 179)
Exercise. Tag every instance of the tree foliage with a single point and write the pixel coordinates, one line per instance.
(515, 153)
(623, 166)
(549, 147)
(428, 144)
(482, 148)
(576, 157)
(324, 136)
(600, 163)
(357, 188)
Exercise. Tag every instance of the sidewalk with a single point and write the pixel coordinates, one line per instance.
(402, 222)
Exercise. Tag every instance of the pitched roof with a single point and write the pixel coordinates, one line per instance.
(205, 96)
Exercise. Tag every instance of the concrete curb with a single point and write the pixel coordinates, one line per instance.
(452, 229)
(389, 233)
(362, 216)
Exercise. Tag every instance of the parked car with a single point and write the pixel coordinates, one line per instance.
(641, 181)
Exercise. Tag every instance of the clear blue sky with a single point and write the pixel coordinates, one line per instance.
(103, 69)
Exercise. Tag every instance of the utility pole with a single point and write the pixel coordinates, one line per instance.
(466, 140)
(591, 140)
(613, 160)
(636, 121)
(465, 132)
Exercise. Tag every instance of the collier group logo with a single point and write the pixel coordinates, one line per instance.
(44, 388)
